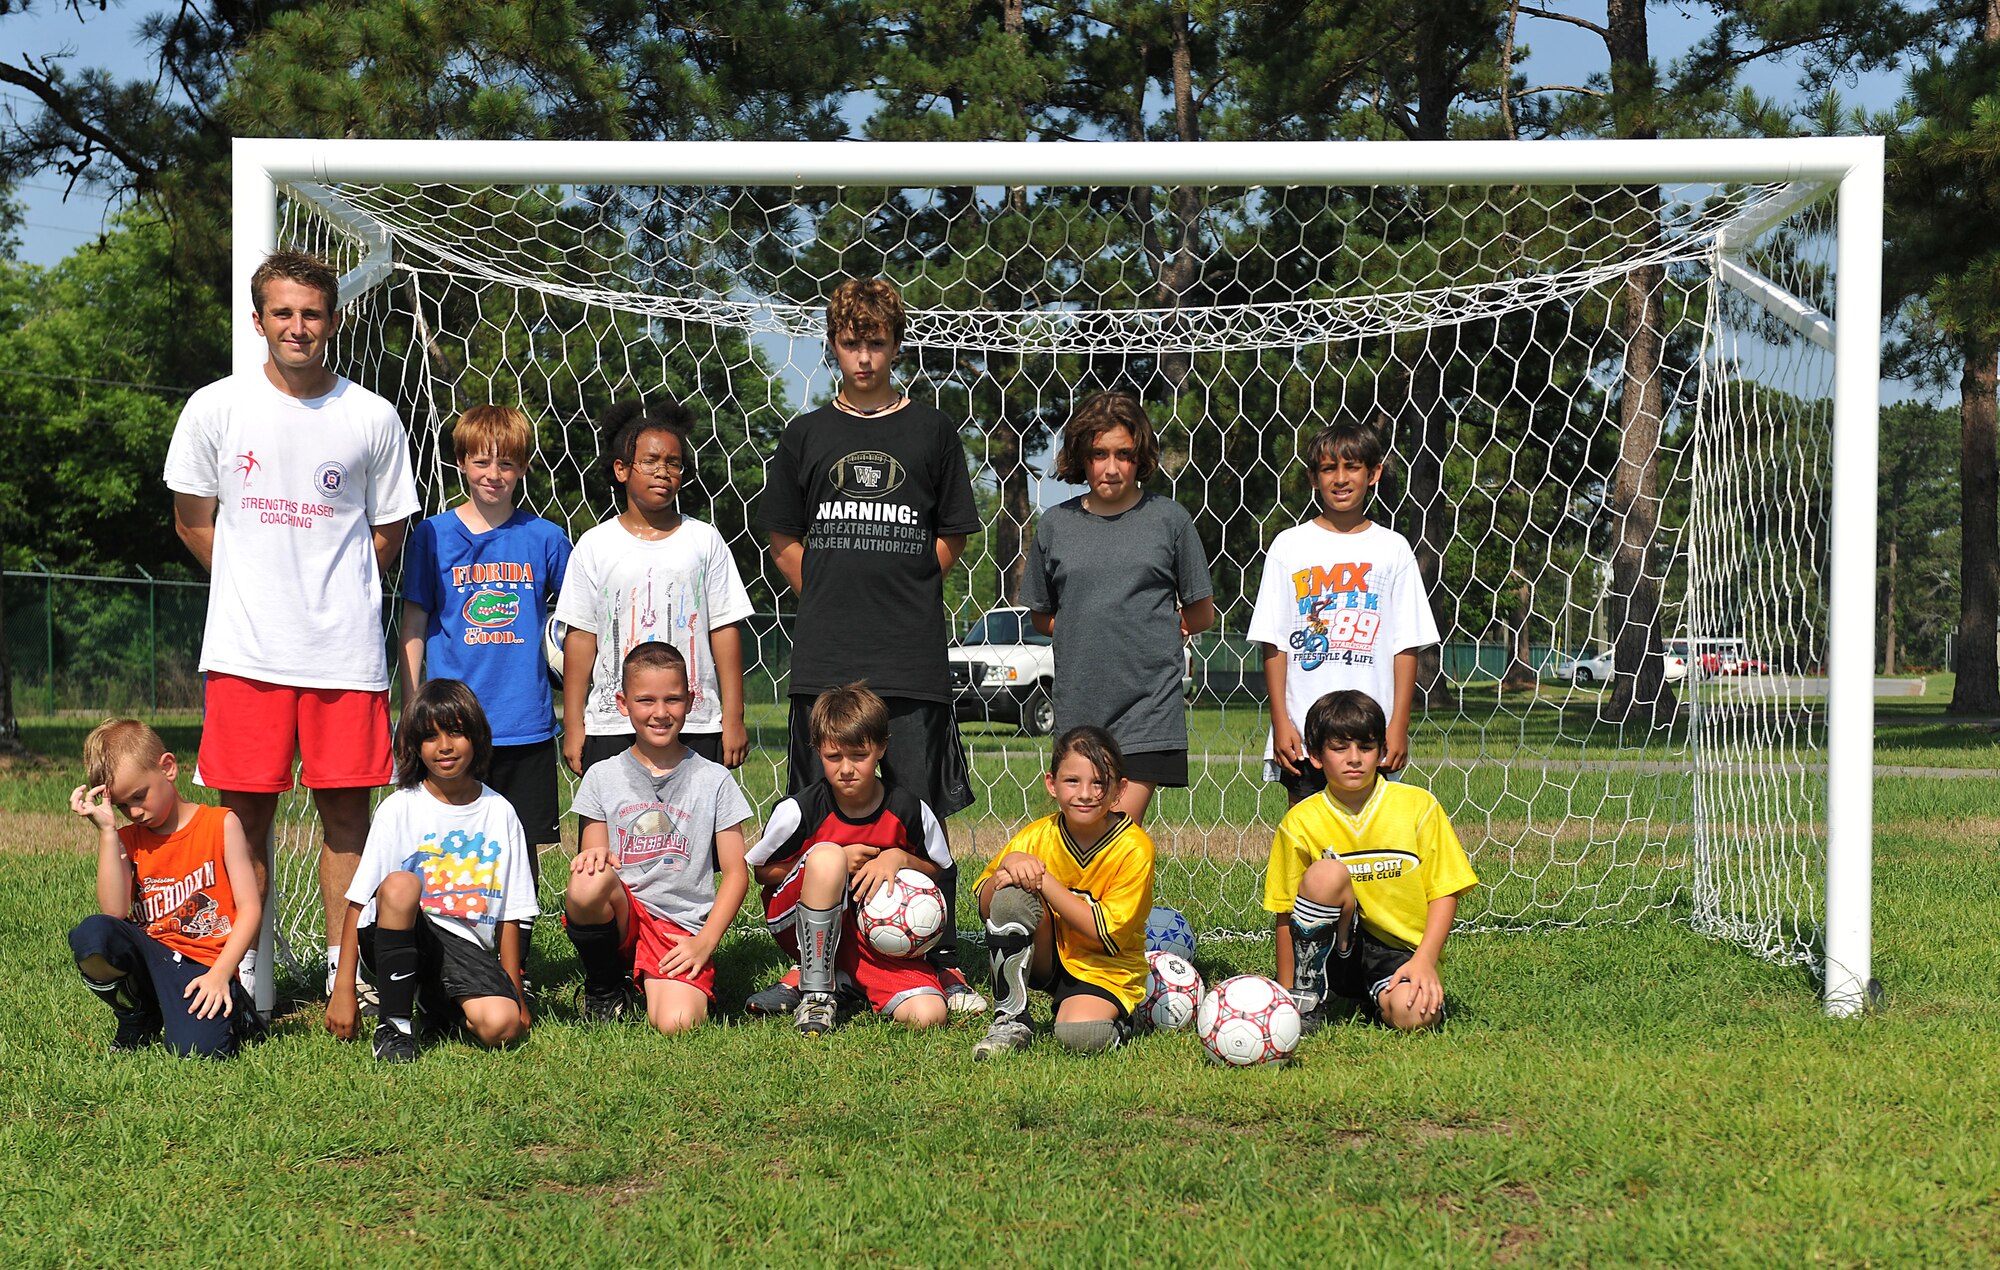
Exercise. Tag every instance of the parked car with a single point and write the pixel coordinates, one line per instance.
(1589, 668)
(1003, 670)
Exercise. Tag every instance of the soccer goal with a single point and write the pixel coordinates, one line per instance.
(1625, 417)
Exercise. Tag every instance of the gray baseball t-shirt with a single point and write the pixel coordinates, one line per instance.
(662, 829)
(1117, 585)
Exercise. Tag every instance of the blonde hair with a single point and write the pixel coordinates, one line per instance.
(502, 429)
(117, 741)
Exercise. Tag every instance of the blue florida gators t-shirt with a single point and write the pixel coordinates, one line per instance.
(488, 596)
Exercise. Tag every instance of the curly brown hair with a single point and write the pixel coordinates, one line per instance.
(1097, 748)
(865, 307)
(1097, 415)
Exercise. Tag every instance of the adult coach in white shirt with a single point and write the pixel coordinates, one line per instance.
(292, 486)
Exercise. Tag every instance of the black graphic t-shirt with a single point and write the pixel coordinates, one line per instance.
(870, 497)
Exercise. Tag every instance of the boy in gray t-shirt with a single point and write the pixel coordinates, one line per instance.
(660, 822)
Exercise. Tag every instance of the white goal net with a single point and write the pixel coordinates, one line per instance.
(1597, 445)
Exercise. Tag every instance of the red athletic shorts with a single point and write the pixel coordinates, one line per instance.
(252, 730)
(649, 938)
(886, 981)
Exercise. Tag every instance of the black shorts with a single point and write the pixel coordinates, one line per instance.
(450, 969)
(1310, 779)
(1061, 985)
(706, 744)
(525, 775)
(1164, 769)
(1369, 966)
(925, 755)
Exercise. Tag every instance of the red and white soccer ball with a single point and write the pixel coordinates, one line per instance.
(904, 918)
(1173, 992)
(1248, 1020)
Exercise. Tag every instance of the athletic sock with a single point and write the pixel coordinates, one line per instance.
(1314, 926)
(597, 948)
(1012, 917)
(396, 974)
(818, 931)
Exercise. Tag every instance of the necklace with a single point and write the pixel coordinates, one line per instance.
(840, 399)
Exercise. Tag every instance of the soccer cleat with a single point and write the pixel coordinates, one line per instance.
(605, 1005)
(137, 1029)
(394, 1045)
(1002, 1036)
(959, 996)
(781, 997)
(816, 1014)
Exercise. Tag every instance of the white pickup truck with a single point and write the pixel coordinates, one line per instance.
(1003, 670)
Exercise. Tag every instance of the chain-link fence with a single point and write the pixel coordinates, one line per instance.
(126, 645)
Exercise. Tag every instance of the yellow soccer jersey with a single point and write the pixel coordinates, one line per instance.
(1116, 876)
(1400, 849)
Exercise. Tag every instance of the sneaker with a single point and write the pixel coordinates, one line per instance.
(605, 1005)
(780, 998)
(959, 996)
(137, 1029)
(394, 1045)
(1004, 1035)
(815, 1015)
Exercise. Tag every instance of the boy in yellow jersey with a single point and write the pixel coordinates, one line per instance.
(1065, 907)
(1364, 878)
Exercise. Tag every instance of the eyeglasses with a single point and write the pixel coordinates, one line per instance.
(653, 467)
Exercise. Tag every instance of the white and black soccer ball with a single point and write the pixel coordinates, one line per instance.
(1173, 992)
(552, 646)
(1247, 1020)
(1167, 930)
(904, 918)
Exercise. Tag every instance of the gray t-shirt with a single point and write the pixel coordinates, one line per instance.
(662, 829)
(1117, 585)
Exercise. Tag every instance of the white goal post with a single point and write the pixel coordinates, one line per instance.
(1787, 175)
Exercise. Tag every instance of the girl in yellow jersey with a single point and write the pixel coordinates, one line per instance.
(1065, 906)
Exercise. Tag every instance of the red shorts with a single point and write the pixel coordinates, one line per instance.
(252, 730)
(886, 981)
(649, 938)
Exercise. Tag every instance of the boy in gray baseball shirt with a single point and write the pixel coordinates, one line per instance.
(660, 823)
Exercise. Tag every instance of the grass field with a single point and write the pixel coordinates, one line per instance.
(1633, 1095)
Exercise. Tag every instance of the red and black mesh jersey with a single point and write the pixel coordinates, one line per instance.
(812, 815)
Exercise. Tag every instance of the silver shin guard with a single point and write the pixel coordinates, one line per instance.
(1011, 921)
(818, 931)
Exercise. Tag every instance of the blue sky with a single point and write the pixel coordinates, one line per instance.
(56, 226)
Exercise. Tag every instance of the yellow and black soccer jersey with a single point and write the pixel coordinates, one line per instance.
(1116, 876)
(1400, 849)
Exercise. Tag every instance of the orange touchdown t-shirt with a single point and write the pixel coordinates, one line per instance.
(183, 897)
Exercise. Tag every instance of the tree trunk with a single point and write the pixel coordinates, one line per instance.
(1640, 693)
(1978, 690)
(1889, 616)
(1520, 670)
(1005, 455)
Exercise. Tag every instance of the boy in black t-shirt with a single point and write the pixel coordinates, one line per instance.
(867, 503)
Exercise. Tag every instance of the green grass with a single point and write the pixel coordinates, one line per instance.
(1628, 1095)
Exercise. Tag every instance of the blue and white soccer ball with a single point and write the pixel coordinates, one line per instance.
(552, 646)
(1168, 931)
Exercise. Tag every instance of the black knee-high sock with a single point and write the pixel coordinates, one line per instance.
(946, 952)
(597, 948)
(396, 973)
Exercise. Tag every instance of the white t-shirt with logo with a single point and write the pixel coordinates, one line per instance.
(1340, 607)
(295, 596)
(629, 591)
(471, 858)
